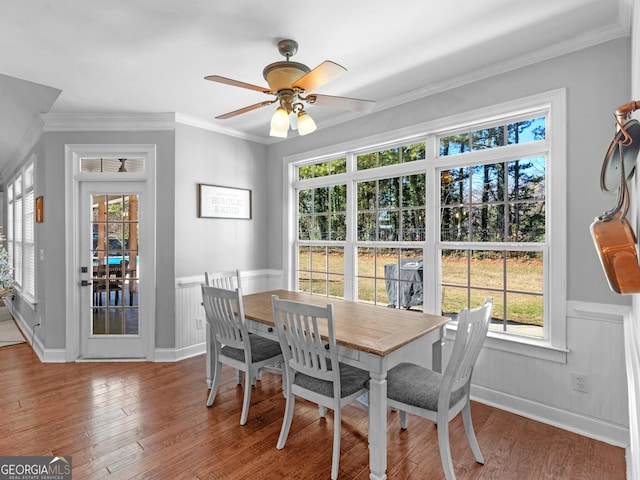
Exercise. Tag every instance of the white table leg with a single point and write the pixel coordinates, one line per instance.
(378, 426)
(436, 353)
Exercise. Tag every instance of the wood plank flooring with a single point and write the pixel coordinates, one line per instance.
(150, 421)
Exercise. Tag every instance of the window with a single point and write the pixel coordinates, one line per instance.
(459, 211)
(21, 229)
(111, 165)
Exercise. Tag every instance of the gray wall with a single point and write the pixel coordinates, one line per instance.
(216, 244)
(597, 81)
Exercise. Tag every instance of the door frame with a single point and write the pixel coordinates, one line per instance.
(73, 179)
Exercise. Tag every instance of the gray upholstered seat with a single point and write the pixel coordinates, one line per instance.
(440, 397)
(231, 343)
(414, 385)
(308, 343)
(261, 349)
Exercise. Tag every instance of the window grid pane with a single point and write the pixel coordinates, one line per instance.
(321, 270)
(322, 213)
(514, 133)
(112, 165)
(392, 277)
(494, 202)
(515, 280)
(392, 209)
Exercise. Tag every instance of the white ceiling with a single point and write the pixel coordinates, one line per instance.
(93, 56)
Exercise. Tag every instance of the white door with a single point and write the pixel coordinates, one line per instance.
(111, 279)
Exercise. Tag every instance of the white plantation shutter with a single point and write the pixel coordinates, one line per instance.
(17, 272)
(29, 266)
(10, 229)
(21, 229)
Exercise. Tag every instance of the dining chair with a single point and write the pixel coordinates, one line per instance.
(440, 397)
(234, 346)
(229, 280)
(109, 278)
(311, 367)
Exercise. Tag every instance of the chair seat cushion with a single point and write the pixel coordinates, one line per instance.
(352, 379)
(261, 349)
(418, 386)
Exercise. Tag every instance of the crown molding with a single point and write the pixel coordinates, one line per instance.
(110, 122)
(580, 42)
(207, 125)
(92, 122)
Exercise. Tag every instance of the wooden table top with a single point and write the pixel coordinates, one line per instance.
(369, 328)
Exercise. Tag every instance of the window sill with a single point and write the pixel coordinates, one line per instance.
(519, 345)
(28, 299)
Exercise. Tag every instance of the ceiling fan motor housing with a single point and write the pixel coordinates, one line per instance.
(281, 75)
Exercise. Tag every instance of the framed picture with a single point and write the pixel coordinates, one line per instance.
(39, 209)
(223, 202)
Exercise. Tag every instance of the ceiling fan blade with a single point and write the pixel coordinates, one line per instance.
(345, 103)
(236, 83)
(245, 110)
(323, 73)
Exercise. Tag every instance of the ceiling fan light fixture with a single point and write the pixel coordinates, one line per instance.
(306, 124)
(279, 123)
(288, 81)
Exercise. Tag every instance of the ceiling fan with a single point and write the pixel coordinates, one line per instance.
(290, 83)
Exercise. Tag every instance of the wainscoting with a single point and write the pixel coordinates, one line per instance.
(190, 322)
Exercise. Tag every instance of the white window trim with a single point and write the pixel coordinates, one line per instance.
(554, 347)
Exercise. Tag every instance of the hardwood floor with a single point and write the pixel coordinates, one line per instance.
(150, 421)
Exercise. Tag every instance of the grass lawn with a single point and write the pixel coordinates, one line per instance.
(515, 283)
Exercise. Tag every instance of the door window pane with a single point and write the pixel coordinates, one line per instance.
(114, 230)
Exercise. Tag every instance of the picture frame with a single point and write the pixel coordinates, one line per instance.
(215, 201)
(39, 209)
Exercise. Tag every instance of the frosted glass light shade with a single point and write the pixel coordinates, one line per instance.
(279, 123)
(306, 124)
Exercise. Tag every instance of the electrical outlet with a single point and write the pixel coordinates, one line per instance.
(580, 382)
(199, 322)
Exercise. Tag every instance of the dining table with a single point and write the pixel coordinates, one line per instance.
(371, 337)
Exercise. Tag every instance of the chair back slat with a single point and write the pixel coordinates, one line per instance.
(220, 306)
(229, 280)
(301, 327)
(473, 326)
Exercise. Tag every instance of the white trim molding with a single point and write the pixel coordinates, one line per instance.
(632, 357)
(107, 122)
(584, 425)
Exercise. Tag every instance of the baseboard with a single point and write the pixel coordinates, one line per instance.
(177, 354)
(45, 355)
(597, 429)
